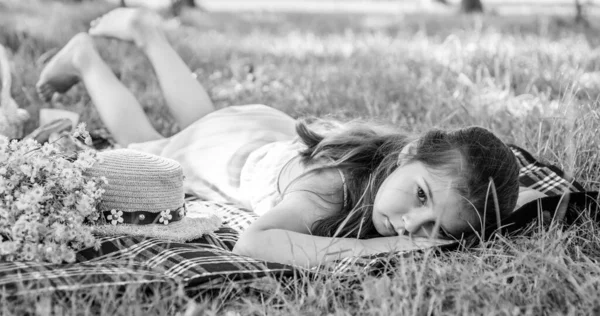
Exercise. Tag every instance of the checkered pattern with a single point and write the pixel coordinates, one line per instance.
(208, 262)
(547, 179)
(133, 260)
(19, 277)
(234, 217)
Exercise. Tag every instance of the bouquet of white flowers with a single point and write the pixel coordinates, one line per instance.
(46, 203)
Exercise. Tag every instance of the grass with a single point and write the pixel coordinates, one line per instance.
(535, 81)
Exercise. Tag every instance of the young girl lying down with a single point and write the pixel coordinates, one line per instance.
(323, 191)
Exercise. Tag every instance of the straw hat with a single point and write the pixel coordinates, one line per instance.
(144, 197)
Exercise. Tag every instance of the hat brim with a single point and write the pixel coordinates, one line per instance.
(197, 223)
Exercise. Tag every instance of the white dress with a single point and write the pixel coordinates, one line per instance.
(234, 154)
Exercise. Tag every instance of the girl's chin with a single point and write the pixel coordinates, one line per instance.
(379, 228)
(383, 231)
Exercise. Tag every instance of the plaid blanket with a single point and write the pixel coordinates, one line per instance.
(208, 262)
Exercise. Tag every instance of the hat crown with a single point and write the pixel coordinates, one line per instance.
(138, 181)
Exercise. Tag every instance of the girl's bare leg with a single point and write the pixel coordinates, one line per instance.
(184, 95)
(118, 108)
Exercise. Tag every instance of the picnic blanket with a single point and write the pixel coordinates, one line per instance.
(208, 263)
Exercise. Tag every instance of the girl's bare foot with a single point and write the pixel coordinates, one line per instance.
(62, 71)
(128, 24)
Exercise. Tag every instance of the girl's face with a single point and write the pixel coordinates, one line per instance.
(412, 199)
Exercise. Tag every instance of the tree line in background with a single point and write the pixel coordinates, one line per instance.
(466, 6)
(471, 6)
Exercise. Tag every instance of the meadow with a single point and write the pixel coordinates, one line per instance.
(534, 80)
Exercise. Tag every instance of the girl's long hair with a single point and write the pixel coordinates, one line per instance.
(367, 154)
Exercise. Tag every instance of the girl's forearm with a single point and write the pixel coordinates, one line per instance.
(306, 250)
(295, 248)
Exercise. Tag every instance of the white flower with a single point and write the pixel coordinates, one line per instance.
(89, 240)
(50, 184)
(85, 159)
(45, 199)
(23, 202)
(69, 200)
(80, 132)
(115, 217)
(165, 216)
(19, 229)
(15, 178)
(40, 162)
(70, 184)
(13, 145)
(30, 143)
(29, 251)
(85, 205)
(37, 192)
(67, 173)
(69, 256)
(8, 247)
(27, 170)
(51, 252)
(48, 149)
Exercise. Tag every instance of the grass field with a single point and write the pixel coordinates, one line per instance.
(533, 81)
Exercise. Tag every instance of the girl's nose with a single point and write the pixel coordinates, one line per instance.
(417, 218)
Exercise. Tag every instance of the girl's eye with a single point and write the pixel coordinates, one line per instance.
(421, 195)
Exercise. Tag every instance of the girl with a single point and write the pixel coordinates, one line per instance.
(353, 189)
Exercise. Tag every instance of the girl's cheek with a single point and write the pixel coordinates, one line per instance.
(385, 198)
(381, 195)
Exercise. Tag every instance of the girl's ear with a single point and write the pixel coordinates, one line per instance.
(407, 152)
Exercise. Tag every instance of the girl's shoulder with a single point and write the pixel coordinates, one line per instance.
(324, 185)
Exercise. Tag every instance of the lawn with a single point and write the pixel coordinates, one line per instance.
(535, 81)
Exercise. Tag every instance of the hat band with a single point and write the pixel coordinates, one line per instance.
(116, 217)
